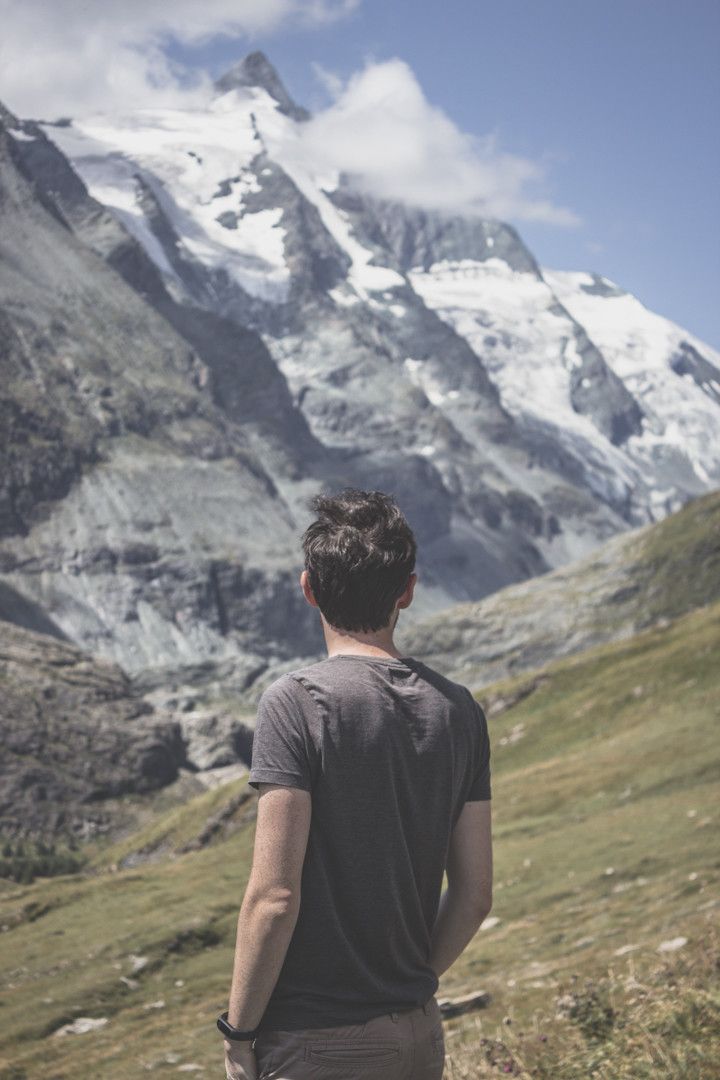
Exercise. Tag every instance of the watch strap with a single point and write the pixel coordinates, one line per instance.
(231, 1032)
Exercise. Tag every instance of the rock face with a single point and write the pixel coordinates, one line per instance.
(197, 337)
(255, 70)
(93, 375)
(74, 733)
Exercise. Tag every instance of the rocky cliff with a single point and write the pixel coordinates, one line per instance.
(74, 734)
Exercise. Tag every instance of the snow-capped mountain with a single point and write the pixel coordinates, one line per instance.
(225, 203)
(520, 415)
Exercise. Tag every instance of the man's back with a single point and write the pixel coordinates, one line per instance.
(391, 751)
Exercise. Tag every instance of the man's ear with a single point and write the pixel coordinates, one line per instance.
(307, 589)
(405, 599)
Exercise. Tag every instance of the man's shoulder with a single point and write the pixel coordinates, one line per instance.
(455, 691)
(322, 676)
(292, 685)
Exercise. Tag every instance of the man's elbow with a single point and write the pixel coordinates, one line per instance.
(486, 902)
(475, 902)
(276, 900)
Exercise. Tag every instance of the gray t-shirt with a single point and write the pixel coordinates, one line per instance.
(390, 750)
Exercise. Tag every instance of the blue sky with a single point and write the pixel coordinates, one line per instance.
(620, 102)
(606, 113)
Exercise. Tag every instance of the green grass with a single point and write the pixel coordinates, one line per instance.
(169, 830)
(641, 1018)
(634, 581)
(615, 770)
(681, 558)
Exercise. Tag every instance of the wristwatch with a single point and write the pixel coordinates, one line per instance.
(234, 1033)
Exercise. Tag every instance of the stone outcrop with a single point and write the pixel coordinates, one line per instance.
(74, 733)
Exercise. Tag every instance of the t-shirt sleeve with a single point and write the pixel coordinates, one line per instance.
(481, 788)
(283, 751)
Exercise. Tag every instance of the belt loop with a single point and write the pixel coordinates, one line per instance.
(426, 1008)
(394, 1017)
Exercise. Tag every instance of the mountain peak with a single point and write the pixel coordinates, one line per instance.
(255, 70)
(7, 118)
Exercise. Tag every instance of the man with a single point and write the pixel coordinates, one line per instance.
(373, 773)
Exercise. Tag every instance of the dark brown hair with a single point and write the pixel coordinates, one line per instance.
(359, 555)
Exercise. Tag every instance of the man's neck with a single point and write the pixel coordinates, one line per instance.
(357, 644)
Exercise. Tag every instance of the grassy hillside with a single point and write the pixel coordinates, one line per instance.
(605, 794)
(626, 585)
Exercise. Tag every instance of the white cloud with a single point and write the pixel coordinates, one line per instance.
(396, 145)
(67, 56)
(330, 80)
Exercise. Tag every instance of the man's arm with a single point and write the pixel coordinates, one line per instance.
(468, 897)
(271, 902)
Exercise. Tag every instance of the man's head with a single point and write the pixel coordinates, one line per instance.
(359, 558)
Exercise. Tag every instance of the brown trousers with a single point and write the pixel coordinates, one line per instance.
(405, 1045)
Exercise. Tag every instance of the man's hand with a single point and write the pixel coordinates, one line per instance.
(240, 1063)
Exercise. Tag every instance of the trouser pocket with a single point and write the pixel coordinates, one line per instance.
(359, 1057)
